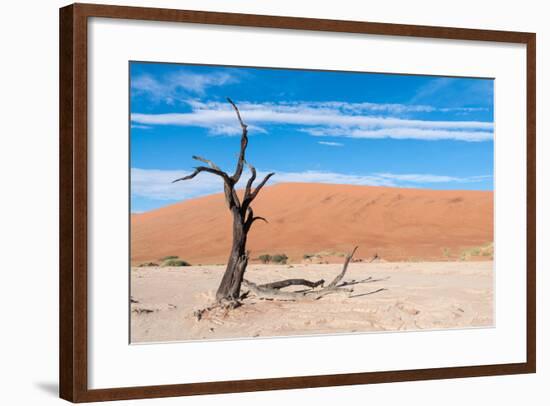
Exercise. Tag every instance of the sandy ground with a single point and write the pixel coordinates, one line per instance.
(400, 296)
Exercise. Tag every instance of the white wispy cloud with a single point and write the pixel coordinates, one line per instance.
(347, 107)
(178, 85)
(428, 178)
(402, 133)
(157, 184)
(331, 143)
(336, 119)
(141, 127)
(228, 129)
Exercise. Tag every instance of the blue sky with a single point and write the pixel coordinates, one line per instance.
(307, 126)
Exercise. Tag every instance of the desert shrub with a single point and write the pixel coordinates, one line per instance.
(486, 250)
(175, 262)
(168, 257)
(148, 264)
(308, 256)
(265, 258)
(279, 258)
(475, 252)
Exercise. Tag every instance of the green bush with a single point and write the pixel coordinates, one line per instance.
(279, 258)
(176, 262)
(265, 258)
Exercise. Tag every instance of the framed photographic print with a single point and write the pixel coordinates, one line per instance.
(256, 202)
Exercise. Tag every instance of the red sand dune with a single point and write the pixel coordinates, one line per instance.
(395, 223)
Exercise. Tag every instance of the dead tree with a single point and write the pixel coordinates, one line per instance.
(229, 290)
(243, 216)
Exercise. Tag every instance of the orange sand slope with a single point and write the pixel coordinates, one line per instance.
(395, 223)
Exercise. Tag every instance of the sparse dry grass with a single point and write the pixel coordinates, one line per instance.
(486, 250)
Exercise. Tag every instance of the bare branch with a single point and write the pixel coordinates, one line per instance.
(200, 169)
(261, 185)
(250, 214)
(239, 169)
(270, 293)
(251, 219)
(248, 188)
(259, 218)
(370, 279)
(316, 295)
(338, 278)
(252, 195)
(244, 142)
(368, 293)
(207, 161)
(230, 195)
(243, 125)
(249, 223)
(292, 282)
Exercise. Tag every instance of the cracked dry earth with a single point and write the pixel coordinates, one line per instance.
(399, 296)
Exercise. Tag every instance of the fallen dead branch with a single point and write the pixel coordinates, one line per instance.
(292, 282)
(370, 279)
(338, 278)
(272, 291)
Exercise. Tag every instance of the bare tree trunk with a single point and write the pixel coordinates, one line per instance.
(230, 286)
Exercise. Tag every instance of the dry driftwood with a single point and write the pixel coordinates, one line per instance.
(292, 282)
(272, 291)
(344, 269)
